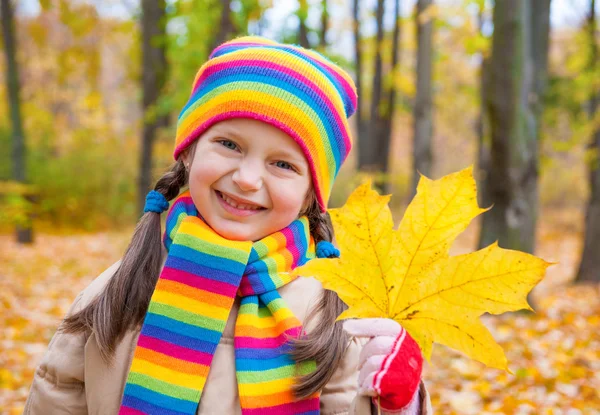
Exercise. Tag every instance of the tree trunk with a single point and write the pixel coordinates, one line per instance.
(24, 233)
(483, 141)
(369, 158)
(154, 67)
(363, 140)
(324, 24)
(388, 117)
(423, 111)
(302, 29)
(589, 268)
(225, 25)
(517, 71)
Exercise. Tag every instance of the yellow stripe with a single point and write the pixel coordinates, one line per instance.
(187, 304)
(167, 375)
(197, 228)
(263, 388)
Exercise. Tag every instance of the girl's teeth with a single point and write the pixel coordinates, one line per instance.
(237, 206)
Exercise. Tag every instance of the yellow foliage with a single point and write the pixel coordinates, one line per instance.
(408, 275)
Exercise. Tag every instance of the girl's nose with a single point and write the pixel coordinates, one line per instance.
(248, 176)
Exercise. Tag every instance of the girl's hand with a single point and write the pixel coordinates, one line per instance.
(390, 363)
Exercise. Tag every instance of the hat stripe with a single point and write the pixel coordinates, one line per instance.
(311, 95)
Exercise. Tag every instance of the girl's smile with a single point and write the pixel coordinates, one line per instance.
(248, 179)
(237, 206)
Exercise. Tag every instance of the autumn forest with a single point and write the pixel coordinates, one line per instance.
(89, 97)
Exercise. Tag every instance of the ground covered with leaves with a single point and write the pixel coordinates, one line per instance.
(554, 354)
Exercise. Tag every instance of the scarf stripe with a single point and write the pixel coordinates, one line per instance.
(189, 310)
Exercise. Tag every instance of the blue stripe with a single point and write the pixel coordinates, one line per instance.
(160, 400)
(206, 271)
(267, 297)
(256, 365)
(280, 80)
(184, 329)
(182, 340)
(215, 262)
(148, 408)
(247, 353)
(300, 239)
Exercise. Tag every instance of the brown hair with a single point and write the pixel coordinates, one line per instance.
(123, 303)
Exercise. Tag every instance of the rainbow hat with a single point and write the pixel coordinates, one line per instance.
(294, 89)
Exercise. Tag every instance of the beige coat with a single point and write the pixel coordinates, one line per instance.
(73, 379)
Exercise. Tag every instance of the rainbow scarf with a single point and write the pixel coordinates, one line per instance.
(189, 309)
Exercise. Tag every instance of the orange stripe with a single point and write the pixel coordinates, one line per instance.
(175, 287)
(269, 332)
(267, 400)
(169, 362)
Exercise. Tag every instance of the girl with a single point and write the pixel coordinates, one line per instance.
(213, 323)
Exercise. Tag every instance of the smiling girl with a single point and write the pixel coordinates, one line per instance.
(209, 320)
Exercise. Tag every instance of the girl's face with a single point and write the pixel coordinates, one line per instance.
(247, 178)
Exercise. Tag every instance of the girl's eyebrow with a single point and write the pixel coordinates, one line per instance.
(228, 131)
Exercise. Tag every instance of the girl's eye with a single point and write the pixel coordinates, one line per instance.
(284, 165)
(229, 144)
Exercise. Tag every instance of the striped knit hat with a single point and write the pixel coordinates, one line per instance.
(294, 89)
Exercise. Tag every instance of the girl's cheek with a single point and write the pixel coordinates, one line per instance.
(290, 196)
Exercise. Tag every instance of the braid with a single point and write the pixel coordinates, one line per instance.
(172, 181)
(123, 302)
(327, 342)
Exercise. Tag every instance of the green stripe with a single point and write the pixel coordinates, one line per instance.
(273, 271)
(175, 228)
(174, 391)
(206, 247)
(187, 317)
(264, 311)
(283, 372)
(276, 305)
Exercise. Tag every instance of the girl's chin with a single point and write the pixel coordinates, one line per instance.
(234, 231)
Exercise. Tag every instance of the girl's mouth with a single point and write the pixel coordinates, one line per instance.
(237, 208)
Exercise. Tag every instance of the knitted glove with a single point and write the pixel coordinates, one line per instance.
(389, 364)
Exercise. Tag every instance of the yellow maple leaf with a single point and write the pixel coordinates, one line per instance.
(408, 275)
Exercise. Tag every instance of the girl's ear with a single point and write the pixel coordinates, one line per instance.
(186, 158)
(309, 200)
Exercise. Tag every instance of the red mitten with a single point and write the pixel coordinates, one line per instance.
(390, 363)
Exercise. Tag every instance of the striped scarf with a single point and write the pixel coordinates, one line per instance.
(188, 313)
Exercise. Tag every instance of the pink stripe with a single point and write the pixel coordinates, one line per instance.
(291, 244)
(285, 409)
(271, 342)
(247, 114)
(199, 282)
(174, 350)
(298, 76)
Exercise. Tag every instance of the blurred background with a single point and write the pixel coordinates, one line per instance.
(89, 99)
